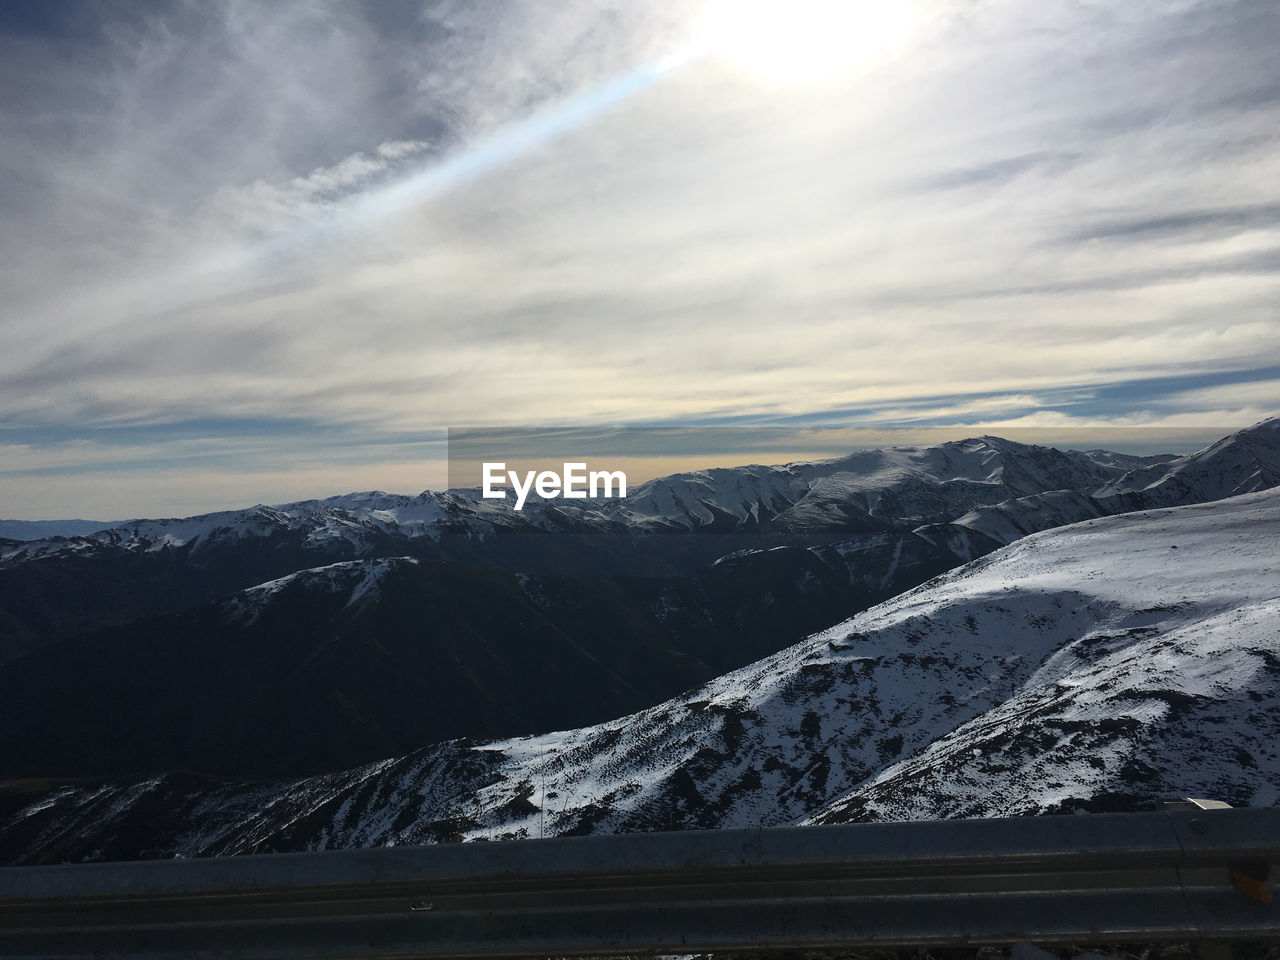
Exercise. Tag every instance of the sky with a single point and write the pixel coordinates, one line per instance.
(265, 252)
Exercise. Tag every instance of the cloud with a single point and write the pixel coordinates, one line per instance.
(211, 221)
(1003, 170)
(1195, 224)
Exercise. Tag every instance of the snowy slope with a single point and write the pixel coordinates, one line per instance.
(1124, 657)
(1009, 520)
(1243, 462)
(1163, 676)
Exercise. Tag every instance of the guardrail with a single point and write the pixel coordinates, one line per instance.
(1179, 875)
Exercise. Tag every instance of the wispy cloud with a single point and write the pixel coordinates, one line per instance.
(1184, 226)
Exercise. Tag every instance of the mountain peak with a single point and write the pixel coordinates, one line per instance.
(1268, 425)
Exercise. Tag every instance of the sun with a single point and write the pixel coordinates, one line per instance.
(804, 41)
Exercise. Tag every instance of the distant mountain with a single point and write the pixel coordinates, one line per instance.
(43, 529)
(1092, 667)
(1244, 462)
(490, 622)
(897, 485)
(891, 488)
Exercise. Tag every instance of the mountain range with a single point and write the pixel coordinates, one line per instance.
(302, 638)
(1093, 667)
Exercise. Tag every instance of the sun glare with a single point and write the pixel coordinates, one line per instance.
(805, 41)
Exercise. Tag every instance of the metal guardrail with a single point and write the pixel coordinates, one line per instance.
(1178, 875)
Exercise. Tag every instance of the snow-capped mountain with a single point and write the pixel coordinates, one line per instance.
(1099, 664)
(1244, 462)
(867, 490)
(355, 519)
